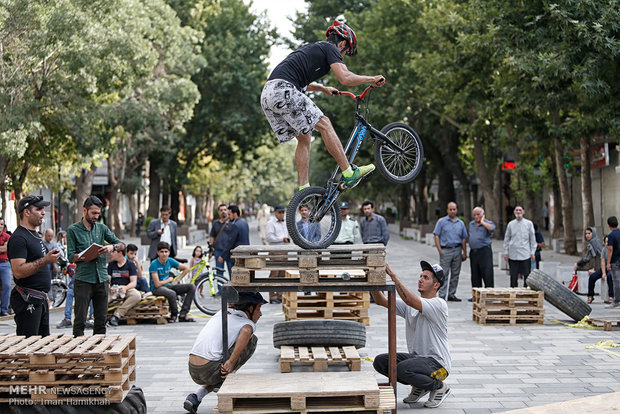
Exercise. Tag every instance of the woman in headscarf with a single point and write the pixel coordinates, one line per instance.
(591, 260)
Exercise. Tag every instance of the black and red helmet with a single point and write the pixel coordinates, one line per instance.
(344, 31)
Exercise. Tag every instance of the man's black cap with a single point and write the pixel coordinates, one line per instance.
(279, 208)
(436, 270)
(31, 200)
(344, 204)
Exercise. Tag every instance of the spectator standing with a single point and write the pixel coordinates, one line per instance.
(163, 230)
(277, 234)
(427, 363)
(50, 244)
(309, 231)
(243, 229)
(123, 281)
(613, 258)
(29, 259)
(545, 213)
(196, 258)
(451, 243)
(5, 270)
(139, 224)
(220, 237)
(350, 229)
(600, 272)
(91, 278)
(163, 284)
(263, 217)
(373, 227)
(540, 244)
(519, 247)
(480, 252)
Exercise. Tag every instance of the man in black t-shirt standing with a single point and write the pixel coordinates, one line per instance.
(29, 259)
(123, 281)
(292, 114)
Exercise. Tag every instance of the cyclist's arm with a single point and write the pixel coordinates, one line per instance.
(348, 78)
(327, 90)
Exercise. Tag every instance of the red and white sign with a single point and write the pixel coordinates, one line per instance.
(599, 156)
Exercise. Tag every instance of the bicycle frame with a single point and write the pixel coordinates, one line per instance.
(351, 149)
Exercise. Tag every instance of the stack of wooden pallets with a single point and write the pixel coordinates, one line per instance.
(508, 306)
(150, 308)
(94, 369)
(327, 305)
(311, 392)
(368, 257)
(319, 357)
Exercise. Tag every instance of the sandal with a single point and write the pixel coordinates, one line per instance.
(590, 299)
(185, 318)
(172, 319)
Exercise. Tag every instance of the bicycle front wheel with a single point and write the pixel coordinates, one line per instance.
(57, 293)
(208, 298)
(400, 165)
(311, 222)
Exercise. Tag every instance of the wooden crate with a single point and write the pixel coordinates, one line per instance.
(63, 368)
(508, 306)
(368, 257)
(607, 322)
(319, 357)
(150, 308)
(307, 392)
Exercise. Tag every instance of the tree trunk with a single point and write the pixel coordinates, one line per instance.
(421, 197)
(486, 182)
(4, 165)
(154, 191)
(570, 244)
(83, 188)
(586, 184)
(117, 163)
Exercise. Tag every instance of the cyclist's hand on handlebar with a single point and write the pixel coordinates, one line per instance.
(330, 91)
(378, 81)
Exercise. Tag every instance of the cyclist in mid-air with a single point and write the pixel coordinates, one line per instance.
(292, 114)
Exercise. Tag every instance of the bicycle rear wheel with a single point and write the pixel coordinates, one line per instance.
(57, 293)
(208, 300)
(322, 223)
(402, 166)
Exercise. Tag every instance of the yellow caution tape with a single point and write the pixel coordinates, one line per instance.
(582, 324)
(369, 359)
(603, 345)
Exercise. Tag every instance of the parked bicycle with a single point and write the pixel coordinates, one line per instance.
(398, 155)
(61, 277)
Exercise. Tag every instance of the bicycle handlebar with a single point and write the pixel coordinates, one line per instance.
(354, 96)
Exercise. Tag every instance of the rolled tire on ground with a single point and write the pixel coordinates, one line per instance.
(559, 295)
(134, 403)
(323, 332)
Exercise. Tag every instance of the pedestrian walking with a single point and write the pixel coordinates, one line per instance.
(519, 247)
(451, 242)
(29, 262)
(373, 227)
(613, 258)
(480, 251)
(91, 277)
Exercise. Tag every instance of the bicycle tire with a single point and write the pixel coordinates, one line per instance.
(326, 229)
(57, 293)
(208, 304)
(399, 168)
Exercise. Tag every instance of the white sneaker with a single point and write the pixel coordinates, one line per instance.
(415, 395)
(438, 396)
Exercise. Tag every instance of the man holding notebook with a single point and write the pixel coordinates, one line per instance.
(86, 247)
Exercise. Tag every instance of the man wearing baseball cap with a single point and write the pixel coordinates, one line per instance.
(350, 229)
(29, 262)
(427, 363)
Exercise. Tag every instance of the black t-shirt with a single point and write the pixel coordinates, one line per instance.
(307, 64)
(26, 244)
(613, 239)
(120, 275)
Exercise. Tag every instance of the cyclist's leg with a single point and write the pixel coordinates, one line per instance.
(332, 142)
(302, 157)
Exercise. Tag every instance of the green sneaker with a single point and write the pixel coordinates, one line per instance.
(358, 174)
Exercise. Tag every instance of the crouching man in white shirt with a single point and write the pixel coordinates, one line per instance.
(206, 366)
(427, 363)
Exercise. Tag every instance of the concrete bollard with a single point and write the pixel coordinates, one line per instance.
(430, 239)
(564, 274)
(549, 268)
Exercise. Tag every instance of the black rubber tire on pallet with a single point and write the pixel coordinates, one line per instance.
(322, 332)
(558, 295)
(134, 403)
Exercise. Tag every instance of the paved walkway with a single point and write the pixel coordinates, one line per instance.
(494, 368)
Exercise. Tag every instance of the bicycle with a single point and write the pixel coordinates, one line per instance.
(208, 286)
(398, 155)
(60, 283)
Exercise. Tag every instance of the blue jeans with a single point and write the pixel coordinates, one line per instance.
(5, 278)
(219, 266)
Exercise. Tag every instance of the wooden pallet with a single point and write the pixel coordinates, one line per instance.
(368, 257)
(150, 308)
(319, 357)
(507, 306)
(307, 392)
(608, 322)
(64, 368)
(511, 297)
(360, 315)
